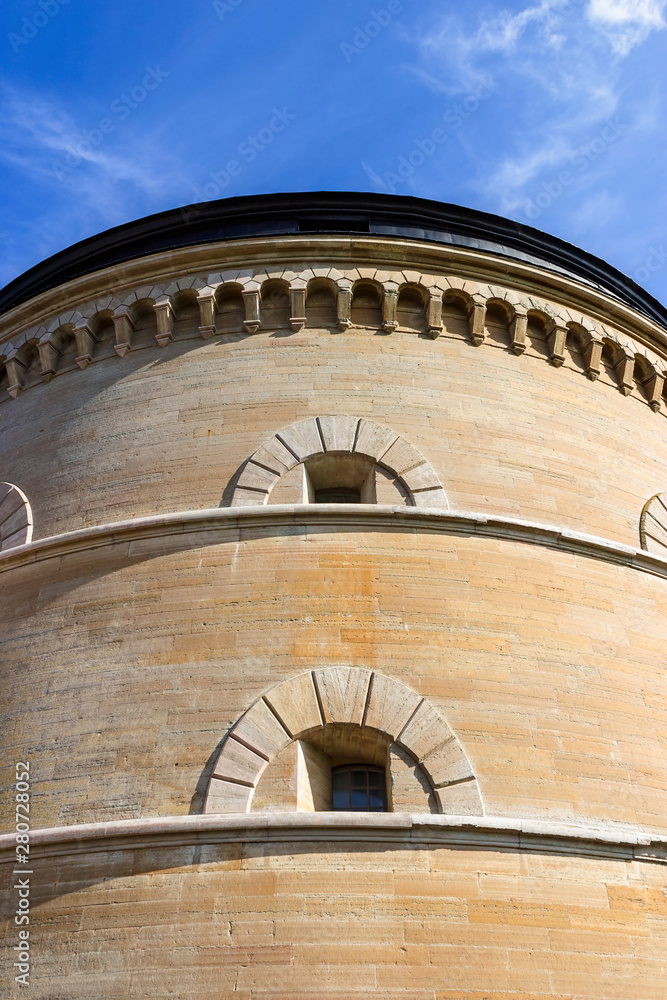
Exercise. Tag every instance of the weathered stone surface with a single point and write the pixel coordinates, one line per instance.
(460, 800)
(373, 440)
(338, 433)
(275, 456)
(126, 661)
(342, 694)
(257, 477)
(260, 730)
(237, 763)
(303, 439)
(447, 763)
(425, 732)
(431, 498)
(227, 797)
(401, 457)
(390, 705)
(15, 517)
(422, 477)
(295, 704)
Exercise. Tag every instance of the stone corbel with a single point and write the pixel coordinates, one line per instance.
(206, 300)
(518, 330)
(165, 321)
(434, 315)
(15, 374)
(297, 295)
(624, 370)
(476, 319)
(124, 328)
(85, 339)
(252, 321)
(593, 357)
(344, 306)
(48, 357)
(653, 387)
(389, 307)
(556, 338)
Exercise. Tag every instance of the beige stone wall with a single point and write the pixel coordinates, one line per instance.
(125, 658)
(164, 431)
(548, 666)
(291, 921)
(166, 428)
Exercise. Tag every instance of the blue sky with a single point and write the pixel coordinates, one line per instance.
(550, 112)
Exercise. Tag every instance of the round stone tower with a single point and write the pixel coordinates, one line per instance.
(334, 581)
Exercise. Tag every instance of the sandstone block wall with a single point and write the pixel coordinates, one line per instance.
(179, 394)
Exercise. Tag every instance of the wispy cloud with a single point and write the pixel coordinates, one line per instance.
(626, 23)
(503, 32)
(39, 138)
(553, 58)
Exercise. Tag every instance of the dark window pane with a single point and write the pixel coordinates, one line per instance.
(337, 494)
(360, 789)
(340, 779)
(341, 799)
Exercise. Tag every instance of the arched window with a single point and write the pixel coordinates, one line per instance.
(337, 459)
(359, 788)
(365, 738)
(340, 477)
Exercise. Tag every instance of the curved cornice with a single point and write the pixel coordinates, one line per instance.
(346, 517)
(401, 830)
(327, 212)
(390, 252)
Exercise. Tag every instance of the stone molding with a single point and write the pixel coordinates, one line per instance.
(653, 525)
(218, 524)
(636, 346)
(306, 439)
(15, 517)
(331, 696)
(402, 830)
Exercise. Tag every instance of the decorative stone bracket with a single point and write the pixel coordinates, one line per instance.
(341, 695)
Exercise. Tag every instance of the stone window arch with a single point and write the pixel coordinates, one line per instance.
(15, 517)
(340, 451)
(653, 525)
(343, 713)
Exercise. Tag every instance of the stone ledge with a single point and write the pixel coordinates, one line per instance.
(404, 830)
(346, 517)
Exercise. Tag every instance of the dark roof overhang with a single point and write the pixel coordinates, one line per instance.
(334, 213)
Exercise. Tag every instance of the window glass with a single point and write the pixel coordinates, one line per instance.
(338, 494)
(359, 788)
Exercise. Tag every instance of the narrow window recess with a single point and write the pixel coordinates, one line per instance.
(338, 494)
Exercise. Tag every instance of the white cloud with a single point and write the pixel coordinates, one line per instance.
(502, 33)
(626, 23)
(39, 138)
(551, 61)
